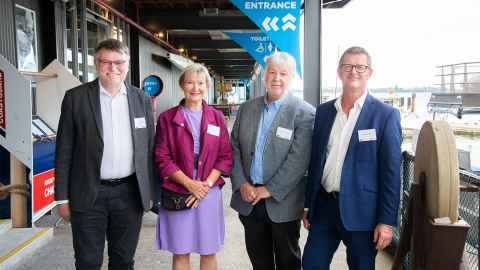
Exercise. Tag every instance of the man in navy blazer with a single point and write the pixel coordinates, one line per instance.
(353, 189)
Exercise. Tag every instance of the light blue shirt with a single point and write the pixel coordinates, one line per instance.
(268, 115)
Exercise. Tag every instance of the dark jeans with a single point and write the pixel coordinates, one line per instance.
(270, 245)
(117, 217)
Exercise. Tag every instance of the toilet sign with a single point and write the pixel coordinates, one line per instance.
(280, 20)
(258, 45)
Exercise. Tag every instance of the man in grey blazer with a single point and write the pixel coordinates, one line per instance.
(271, 141)
(103, 163)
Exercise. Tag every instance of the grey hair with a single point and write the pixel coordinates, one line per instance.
(198, 69)
(280, 58)
(112, 44)
(356, 50)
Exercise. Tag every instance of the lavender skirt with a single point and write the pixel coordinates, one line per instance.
(200, 230)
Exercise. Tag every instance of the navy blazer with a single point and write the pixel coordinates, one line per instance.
(370, 180)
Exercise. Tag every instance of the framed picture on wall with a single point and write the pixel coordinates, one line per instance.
(26, 30)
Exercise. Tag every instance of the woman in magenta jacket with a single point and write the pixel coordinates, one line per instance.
(192, 151)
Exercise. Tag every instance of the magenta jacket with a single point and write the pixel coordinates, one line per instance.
(174, 146)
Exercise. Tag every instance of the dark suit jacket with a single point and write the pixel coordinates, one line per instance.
(79, 146)
(370, 180)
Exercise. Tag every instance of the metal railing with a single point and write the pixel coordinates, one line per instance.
(469, 210)
(459, 78)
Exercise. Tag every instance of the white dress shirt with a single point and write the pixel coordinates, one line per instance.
(117, 158)
(338, 143)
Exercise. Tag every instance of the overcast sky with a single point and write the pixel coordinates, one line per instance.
(407, 39)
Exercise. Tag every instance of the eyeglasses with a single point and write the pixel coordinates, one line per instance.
(112, 63)
(358, 68)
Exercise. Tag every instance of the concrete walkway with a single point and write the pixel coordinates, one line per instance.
(58, 254)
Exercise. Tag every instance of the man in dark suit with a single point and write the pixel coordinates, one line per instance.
(103, 163)
(353, 189)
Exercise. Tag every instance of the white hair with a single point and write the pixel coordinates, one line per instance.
(281, 58)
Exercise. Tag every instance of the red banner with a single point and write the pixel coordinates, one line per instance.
(2, 102)
(43, 189)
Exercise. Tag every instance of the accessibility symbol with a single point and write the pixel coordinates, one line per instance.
(260, 48)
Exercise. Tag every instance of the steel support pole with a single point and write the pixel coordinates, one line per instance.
(84, 39)
(312, 87)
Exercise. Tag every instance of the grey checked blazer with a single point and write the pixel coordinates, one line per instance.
(285, 161)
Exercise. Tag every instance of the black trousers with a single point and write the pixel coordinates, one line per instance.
(117, 217)
(270, 245)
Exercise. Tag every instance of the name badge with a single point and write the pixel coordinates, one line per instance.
(284, 133)
(213, 130)
(140, 122)
(366, 135)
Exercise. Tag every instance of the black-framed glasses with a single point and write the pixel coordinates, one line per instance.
(358, 68)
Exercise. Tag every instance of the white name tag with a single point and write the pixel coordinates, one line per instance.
(284, 133)
(140, 122)
(213, 130)
(366, 135)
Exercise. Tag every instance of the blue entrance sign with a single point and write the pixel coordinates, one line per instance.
(153, 85)
(280, 20)
(258, 45)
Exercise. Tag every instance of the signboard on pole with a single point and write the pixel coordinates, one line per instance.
(153, 86)
(16, 113)
(258, 45)
(48, 99)
(2, 105)
(43, 191)
(280, 20)
(31, 138)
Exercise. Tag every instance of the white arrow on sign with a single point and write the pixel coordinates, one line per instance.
(289, 22)
(265, 24)
(289, 25)
(270, 24)
(273, 24)
(289, 17)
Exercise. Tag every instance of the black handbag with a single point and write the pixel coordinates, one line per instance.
(174, 201)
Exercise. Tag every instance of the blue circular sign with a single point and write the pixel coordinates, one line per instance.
(153, 85)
